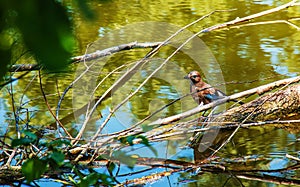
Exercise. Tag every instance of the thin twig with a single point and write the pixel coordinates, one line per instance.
(133, 127)
(49, 108)
(81, 131)
(15, 112)
(68, 88)
(12, 80)
(248, 18)
(268, 22)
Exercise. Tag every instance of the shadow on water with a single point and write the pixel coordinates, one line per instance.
(206, 145)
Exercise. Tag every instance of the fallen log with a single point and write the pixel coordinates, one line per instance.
(282, 104)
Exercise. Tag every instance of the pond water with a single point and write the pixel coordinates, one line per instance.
(248, 55)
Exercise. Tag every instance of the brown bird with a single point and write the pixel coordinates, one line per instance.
(202, 92)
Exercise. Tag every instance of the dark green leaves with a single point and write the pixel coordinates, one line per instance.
(111, 166)
(46, 31)
(58, 144)
(45, 28)
(94, 178)
(26, 140)
(33, 169)
(57, 157)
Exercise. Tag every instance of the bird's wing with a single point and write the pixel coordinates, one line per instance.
(211, 97)
(217, 94)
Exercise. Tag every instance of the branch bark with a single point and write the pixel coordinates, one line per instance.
(115, 49)
(91, 56)
(273, 106)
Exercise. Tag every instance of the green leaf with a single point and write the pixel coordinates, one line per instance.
(21, 141)
(145, 141)
(58, 143)
(89, 180)
(33, 169)
(46, 31)
(27, 140)
(111, 166)
(58, 157)
(94, 177)
(153, 150)
(30, 135)
(129, 139)
(106, 179)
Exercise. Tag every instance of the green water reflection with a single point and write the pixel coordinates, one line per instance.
(263, 53)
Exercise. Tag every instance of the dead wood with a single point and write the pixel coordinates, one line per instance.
(115, 49)
(281, 104)
(24, 67)
(91, 56)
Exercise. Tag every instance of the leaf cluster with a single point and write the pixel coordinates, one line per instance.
(52, 159)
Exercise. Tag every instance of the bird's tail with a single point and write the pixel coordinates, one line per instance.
(220, 93)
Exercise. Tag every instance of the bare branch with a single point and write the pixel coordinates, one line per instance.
(247, 18)
(269, 22)
(115, 49)
(91, 56)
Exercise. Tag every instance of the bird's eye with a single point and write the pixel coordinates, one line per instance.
(194, 76)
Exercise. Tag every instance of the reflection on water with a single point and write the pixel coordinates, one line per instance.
(242, 54)
(277, 57)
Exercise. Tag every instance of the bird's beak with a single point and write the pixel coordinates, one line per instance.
(186, 77)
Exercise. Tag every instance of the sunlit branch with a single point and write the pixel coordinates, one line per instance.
(269, 22)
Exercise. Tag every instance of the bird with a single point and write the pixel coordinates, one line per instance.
(202, 92)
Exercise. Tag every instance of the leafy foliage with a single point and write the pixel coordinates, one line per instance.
(26, 140)
(45, 29)
(54, 157)
(93, 179)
